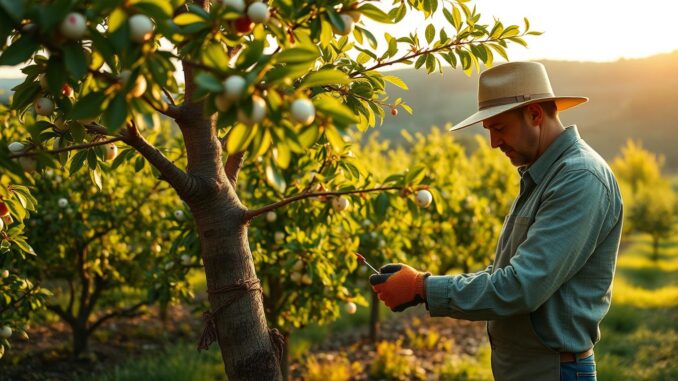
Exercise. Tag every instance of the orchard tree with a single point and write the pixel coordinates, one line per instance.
(262, 80)
(653, 211)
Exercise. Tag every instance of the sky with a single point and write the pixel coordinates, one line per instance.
(574, 30)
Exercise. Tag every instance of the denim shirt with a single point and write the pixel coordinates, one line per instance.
(561, 267)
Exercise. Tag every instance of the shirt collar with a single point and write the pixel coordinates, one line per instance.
(539, 168)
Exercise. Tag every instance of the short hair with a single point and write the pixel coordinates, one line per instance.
(549, 107)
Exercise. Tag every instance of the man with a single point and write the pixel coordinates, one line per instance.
(550, 284)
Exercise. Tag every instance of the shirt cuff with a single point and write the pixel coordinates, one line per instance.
(437, 294)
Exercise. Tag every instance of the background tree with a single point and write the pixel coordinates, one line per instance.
(262, 80)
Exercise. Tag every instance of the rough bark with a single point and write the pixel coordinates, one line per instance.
(374, 318)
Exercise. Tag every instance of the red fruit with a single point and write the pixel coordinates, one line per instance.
(394, 111)
(4, 210)
(243, 24)
(66, 90)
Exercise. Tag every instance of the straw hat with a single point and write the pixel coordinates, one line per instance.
(512, 85)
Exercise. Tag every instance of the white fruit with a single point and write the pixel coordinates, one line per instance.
(186, 260)
(43, 106)
(139, 87)
(424, 198)
(28, 163)
(2, 226)
(298, 265)
(62, 203)
(5, 273)
(349, 24)
(222, 102)
(302, 111)
(111, 151)
(234, 87)
(15, 147)
(258, 12)
(296, 277)
(169, 265)
(42, 80)
(306, 279)
(258, 111)
(74, 26)
(351, 308)
(236, 5)
(179, 215)
(140, 28)
(5, 332)
(271, 216)
(279, 237)
(340, 203)
(156, 248)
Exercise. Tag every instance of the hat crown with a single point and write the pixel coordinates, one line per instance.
(503, 83)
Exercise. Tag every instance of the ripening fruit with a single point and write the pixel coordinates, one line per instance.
(179, 215)
(271, 216)
(306, 279)
(340, 203)
(243, 25)
(351, 308)
(5, 273)
(4, 210)
(258, 111)
(302, 111)
(156, 248)
(74, 26)
(15, 147)
(5, 332)
(140, 28)
(236, 5)
(296, 277)
(43, 106)
(42, 80)
(394, 111)
(62, 203)
(258, 12)
(111, 151)
(355, 15)
(279, 237)
(222, 103)
(298, 265)
(28, 163)
(234, 87)
(66, 90)
(349, 24)
(424, 198)
(139, 87)
(186, 260)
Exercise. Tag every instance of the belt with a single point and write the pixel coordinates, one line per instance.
(572, 357)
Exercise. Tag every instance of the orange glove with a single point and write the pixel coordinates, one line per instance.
(399, 286)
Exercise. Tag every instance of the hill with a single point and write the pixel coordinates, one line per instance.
(628, 99)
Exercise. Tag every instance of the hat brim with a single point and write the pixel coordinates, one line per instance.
(562, 103)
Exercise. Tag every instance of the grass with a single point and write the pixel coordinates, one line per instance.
(639, 335)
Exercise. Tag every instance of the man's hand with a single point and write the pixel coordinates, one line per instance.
(399, 286)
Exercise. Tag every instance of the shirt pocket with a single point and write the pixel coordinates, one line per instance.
(521, 225)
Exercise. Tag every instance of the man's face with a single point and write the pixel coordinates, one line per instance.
(512, 132)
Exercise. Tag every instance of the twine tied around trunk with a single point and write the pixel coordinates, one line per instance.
(236, 291)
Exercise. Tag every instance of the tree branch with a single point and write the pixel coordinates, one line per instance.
(250, 214)
(169, 110)
(61, 313)
(69, 148)
(233, 165)
(178, 179)
(124, 312)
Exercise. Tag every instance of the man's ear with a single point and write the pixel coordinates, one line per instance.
(535, 114)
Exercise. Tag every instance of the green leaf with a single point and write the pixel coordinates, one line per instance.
(335, 139)
(188, 19)
(251, 54)
(209, 82)
(24, 95)
(396, 81)
(325, 77)
(19, 51)
(16, 207)
(309, 135)
(77, 161)
(430, 33)
(75, 60)
(158, 9)
(415, 175)
(381, 204)
(88, 107)
(275, 178)
(116, 113)
(215, 55)
(374, 13)
(25, 247)
(456, 18)
(282, 155)
(14, 8)
(297, 55)
(239, 137)
(139, 163)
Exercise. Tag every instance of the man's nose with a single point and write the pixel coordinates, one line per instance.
(495, 140)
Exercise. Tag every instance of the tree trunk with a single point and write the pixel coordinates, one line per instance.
(242, 332)
(374, 318)
(655, 248)
(80, 339)
(285, 361)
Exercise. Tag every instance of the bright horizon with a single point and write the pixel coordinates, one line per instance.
(576, 30)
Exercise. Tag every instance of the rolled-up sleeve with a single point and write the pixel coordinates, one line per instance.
(570, 221)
